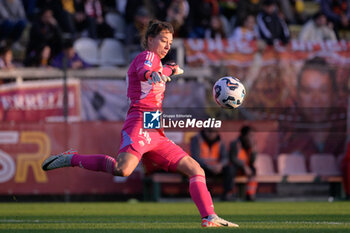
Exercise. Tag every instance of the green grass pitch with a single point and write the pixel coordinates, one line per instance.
(118, 217)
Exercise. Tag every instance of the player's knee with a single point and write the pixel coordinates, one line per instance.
(122, 172)
(125, 164)
(191, 167)
(198, 170)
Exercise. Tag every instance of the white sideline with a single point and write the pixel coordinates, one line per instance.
(250, 222)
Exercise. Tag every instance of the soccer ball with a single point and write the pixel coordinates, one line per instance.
(229, 92)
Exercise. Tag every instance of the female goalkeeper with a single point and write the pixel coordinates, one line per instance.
(146, 79)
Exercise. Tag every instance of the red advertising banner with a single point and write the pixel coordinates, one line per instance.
(34, 101)
(24, 146)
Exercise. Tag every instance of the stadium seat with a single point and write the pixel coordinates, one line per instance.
(265, 172)
(264, 165)
(116, 22)
(324, 165)
(290, 164)
(87, 49)
(112, 53)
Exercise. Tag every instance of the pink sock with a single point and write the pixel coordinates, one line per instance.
(102, 163)
(201, 196)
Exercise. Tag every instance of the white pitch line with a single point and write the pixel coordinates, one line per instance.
(254, 222)
(59, 221)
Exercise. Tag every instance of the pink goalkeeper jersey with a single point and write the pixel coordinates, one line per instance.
(144, 96)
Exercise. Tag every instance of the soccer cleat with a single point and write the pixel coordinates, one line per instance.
(57, 161)
(216, 221)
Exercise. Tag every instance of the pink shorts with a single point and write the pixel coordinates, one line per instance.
(151, 145)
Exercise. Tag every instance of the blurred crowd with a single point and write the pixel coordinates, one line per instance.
(39, 33)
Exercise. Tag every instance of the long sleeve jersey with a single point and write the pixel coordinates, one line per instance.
(144, 96)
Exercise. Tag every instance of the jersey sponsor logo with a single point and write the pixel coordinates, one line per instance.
(152, 120)
(144, 135)
(148, 63)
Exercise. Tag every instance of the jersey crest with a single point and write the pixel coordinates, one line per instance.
(148, 63)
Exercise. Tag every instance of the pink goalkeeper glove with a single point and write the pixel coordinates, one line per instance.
(156, 77)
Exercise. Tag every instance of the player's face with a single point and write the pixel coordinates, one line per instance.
(161, 43)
